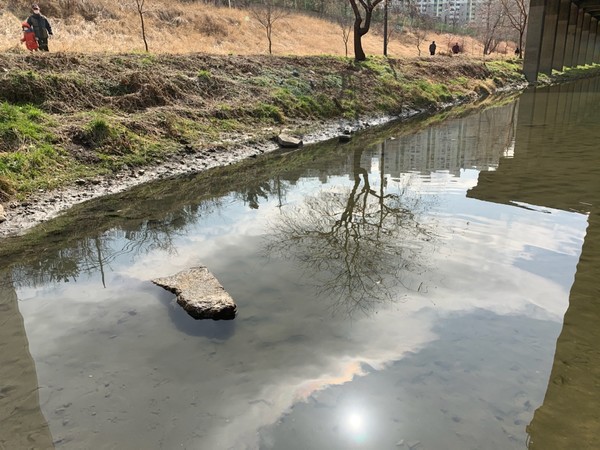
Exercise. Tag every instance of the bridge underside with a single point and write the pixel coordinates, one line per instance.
(561, 33)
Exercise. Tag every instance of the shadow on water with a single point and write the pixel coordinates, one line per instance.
(211, 329)
(568, 116)
(22, 424)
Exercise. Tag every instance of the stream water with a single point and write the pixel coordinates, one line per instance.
(407, 290)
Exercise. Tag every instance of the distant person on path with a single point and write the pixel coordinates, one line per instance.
(432, 48)
(29, 37)
(41, 27)
(456, 49)
(517, 51)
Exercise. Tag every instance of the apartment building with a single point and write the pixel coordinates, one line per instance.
(451, 12)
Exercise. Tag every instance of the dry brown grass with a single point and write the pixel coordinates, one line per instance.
(176, 27)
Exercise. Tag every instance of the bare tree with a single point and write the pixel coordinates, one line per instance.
(420, 26)
(362, 24)
(141, 12)
(490, 24)
(517, 12)
(266, 13)
(420, 34)
(345, 25)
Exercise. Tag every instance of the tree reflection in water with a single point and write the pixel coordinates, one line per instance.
(93, 250)
(360, 245)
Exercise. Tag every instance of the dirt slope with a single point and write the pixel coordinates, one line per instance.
(174, 26)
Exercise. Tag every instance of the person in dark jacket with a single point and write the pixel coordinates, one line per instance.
(432, 48)
(41, 27)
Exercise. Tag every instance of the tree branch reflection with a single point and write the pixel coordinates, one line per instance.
(360, 245)
(105, 243)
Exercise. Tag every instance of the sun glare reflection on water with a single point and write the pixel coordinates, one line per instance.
(356, 426)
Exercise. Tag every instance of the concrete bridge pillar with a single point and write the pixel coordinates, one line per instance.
(535, 31)
(564, 12)
(585, 33)
(596, 58)
(580, 18)
(571, 35)
(561, 33)
(589, 57)
(549, 36)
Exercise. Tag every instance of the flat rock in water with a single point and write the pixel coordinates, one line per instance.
(200, 294)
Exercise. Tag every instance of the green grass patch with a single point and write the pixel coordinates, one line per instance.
(223, 125)
(506, 70)
(461, 81)
(21, 126)
(261, 81)
(30, 155)
(334, 81)
(270, 112)
(25, 76)
(100, 133)
(204, 75)
(35, 167)
(379, 65)
(307, 106)
(424, 92)
(579, 71)
(148, 60)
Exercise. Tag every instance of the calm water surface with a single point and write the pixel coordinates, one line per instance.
(406, 290)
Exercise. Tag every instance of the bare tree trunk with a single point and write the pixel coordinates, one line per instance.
(360, 28)
(140, 8)
(269, 30)
(385, 27)
(359, 53)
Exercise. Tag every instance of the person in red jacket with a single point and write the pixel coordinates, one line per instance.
(29, 37)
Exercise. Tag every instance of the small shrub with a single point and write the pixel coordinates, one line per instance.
(147, 60)
(99, 133)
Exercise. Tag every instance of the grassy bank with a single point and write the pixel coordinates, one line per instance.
(66, 117)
